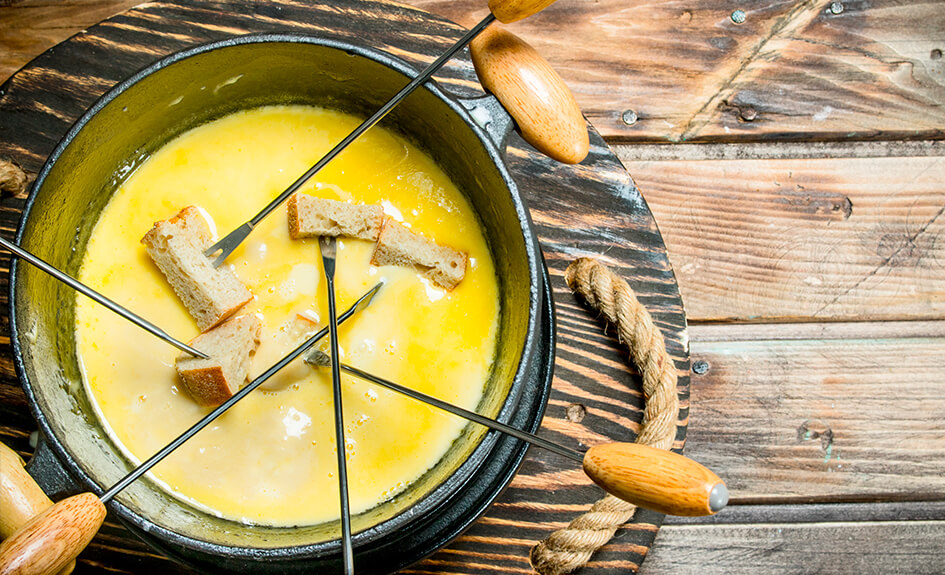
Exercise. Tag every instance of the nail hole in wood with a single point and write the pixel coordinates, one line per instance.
(812, 429)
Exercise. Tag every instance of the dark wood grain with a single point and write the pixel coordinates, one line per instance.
(593, 208)
(29, 27)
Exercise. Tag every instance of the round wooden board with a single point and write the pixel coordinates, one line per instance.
(590, 209)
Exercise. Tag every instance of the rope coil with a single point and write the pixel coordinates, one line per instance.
(12, 178)
(569, 549)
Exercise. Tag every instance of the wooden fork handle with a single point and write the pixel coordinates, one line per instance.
(54, 538)
(21, 499)
(656, 479)
(507, 11)
(544, 109)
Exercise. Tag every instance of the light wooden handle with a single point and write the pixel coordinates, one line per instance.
(52, 539)
(507, 11)
(21, 498)
(656, 479)
(532, 92)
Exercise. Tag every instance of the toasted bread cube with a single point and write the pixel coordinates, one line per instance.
(311, 217)
(176, 245)
(230, 346)
(398, 246)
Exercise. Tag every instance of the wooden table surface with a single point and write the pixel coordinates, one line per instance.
(794, 163)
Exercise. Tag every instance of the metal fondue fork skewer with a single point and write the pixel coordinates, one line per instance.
(99, 298)
(645, 476)
(518, 65)
(329, 247)
(232, 240)
(319, 358)
(52, 539)
(210, 417)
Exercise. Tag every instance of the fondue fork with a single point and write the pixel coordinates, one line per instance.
(653, 478)
(329, 246)
(99, 298)
(52, 539)
(505, 11)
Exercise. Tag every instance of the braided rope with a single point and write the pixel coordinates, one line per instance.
(569, 549)
(12, 178)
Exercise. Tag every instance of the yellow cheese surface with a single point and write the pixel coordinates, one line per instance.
(271, 459)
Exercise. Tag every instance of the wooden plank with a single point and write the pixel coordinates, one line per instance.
(836, 548)
(792, 70)
(757, 240)
(821, 421)
(875, 70)
(30, 27)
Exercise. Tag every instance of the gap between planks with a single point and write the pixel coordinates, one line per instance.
(778, 150)
(850, 330)
(819, 513)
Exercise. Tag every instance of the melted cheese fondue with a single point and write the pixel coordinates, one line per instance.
(271, 459)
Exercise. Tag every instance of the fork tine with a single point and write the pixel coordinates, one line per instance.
(212, 249)
(228, 244)
(220, 259)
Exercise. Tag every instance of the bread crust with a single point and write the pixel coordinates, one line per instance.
(399, 246)
(176, 246)
(207, 386)
(231, 345)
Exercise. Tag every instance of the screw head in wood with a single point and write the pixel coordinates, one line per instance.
(700, 367)
(836, 8)
(739, 16)
(748, 114)
(629, 117)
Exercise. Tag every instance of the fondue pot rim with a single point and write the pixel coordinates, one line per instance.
(491, 140)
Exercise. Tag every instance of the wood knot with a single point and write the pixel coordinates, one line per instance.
(12, 178)
(816, 203)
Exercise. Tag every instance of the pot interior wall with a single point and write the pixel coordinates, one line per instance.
(166, 103)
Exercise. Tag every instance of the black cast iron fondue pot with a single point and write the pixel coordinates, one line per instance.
(465, 137)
